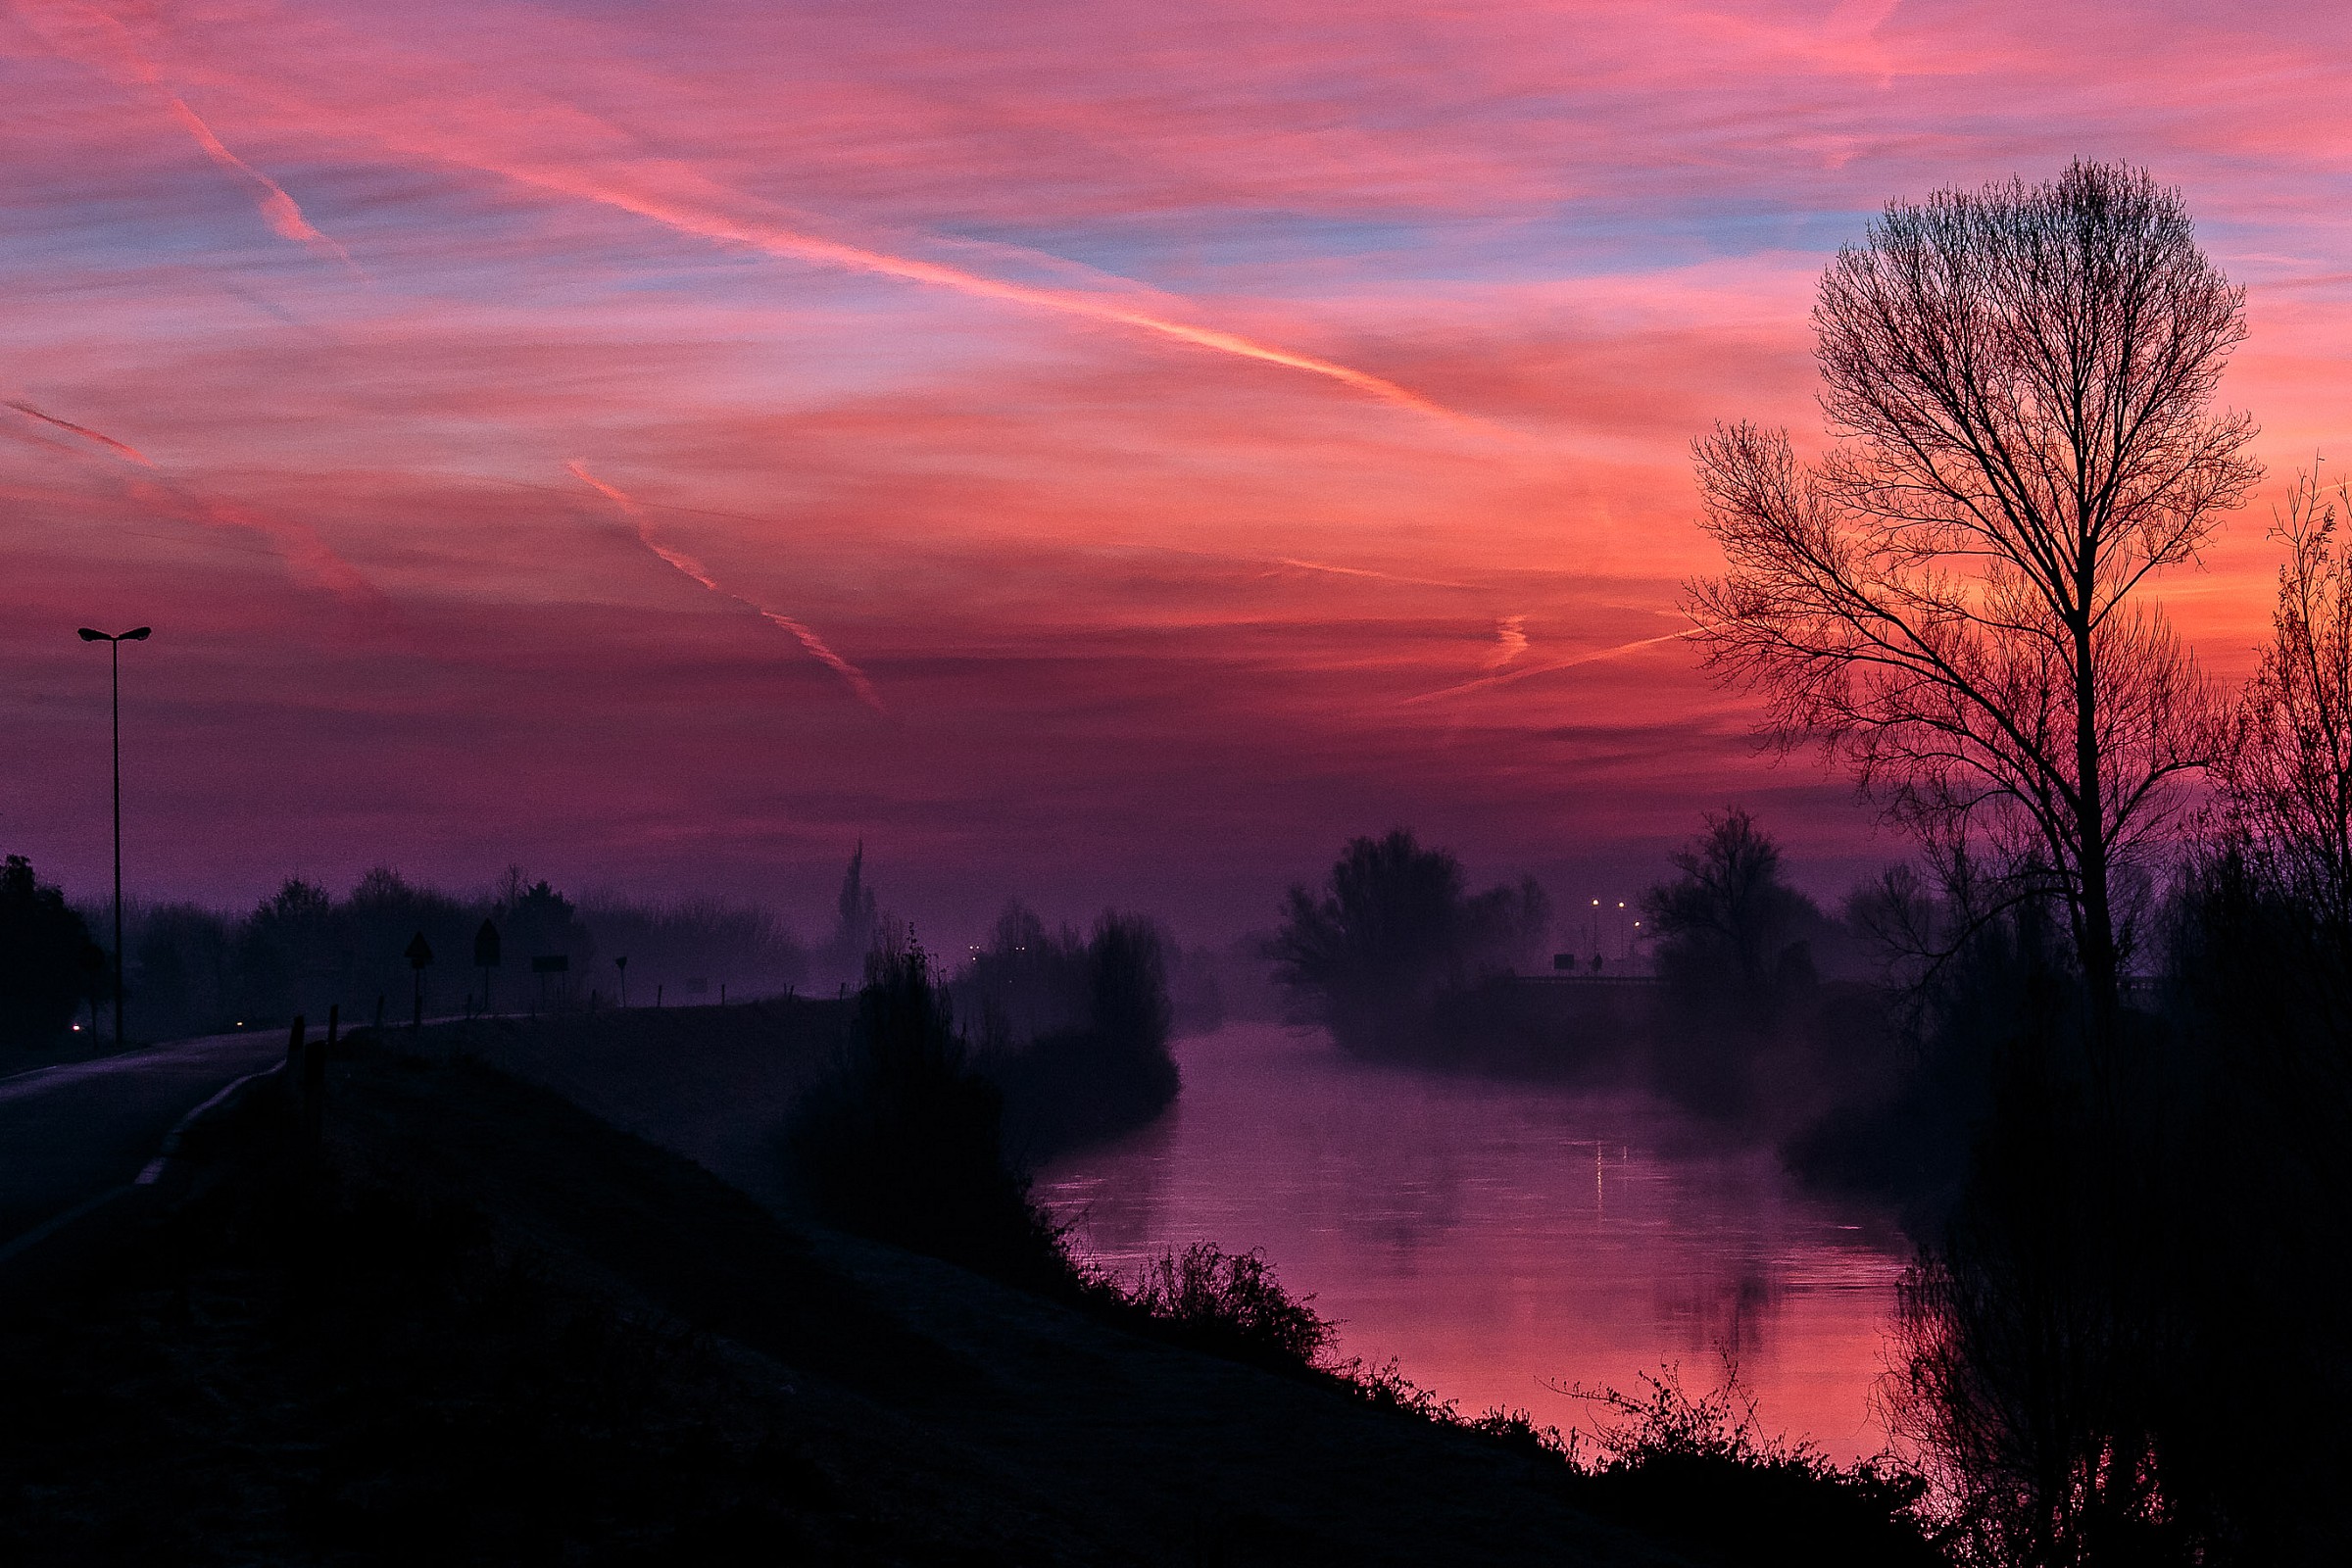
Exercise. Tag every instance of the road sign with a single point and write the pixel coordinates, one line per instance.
(485, 947)
(419, 952)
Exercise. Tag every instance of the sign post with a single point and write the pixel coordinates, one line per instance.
(623, 965)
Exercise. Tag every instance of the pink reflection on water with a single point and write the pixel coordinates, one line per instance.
(1504, 1243)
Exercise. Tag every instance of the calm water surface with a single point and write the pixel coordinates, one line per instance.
(1504, 1242)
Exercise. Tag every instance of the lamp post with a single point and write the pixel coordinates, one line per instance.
(114, 642)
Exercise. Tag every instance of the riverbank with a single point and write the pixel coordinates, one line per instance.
(1507, 1241)
(480, 1324)
(718, 1084)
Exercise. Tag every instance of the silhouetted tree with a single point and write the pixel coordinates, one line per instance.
(2037, 1352)
(1028, 981)
(184, 971)
(1390, 930)
(2254, 1147)
(1507, 924)
(2018, 386)
(1074, 1029)
(1128, 984)
(48, 963)
(903, 1141)
(287, 955)
(1728, 923)
(857, 926)
(383, 913)
(536, 921)
(2286, 775)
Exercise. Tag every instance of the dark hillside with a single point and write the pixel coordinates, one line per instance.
(715, 1084)
(482, 1326)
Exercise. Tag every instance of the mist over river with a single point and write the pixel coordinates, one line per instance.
(1503, 1242)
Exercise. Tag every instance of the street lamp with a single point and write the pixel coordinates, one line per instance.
(137, 634)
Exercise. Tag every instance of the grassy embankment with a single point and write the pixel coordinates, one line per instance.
(891, 1136)
(480, 1325)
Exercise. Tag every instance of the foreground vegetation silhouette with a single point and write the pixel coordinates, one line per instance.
(1954, 602)
(48, 963)
(902, 1145)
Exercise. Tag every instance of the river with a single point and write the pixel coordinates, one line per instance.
(1504, 1242)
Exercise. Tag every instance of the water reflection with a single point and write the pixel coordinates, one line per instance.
(1498, 1239)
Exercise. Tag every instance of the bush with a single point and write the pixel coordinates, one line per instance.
(1390, 932)
(1231, 1304)
(901, 1142)
(1699, 1468)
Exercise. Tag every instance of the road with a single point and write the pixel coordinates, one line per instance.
(70, 1132)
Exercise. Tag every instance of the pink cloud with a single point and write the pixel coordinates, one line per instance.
(91, 35)
(1072, 366)
(686, 565)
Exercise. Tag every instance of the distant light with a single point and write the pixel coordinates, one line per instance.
(77, 1028)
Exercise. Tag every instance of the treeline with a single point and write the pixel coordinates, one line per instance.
(1072, 1028)
(1754, 1004)
(2122, 1339)
(49, 965)
(191, 970)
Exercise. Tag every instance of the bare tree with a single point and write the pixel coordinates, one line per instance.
(1727, 902)
(2287, 773)
(2019, 390)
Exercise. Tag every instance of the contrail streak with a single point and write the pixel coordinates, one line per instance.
(692, 204)
(66, 28)
(688, 566)
(278, 208)
(1485, 682)
(1510, 641)
(705, 221)
(298, 543)
(1362, 572)
(82, 430)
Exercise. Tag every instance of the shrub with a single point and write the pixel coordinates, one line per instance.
(1698, 1467)
(901, 1142)
(1231, 1304)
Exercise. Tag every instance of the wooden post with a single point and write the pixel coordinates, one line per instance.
(294, 1049)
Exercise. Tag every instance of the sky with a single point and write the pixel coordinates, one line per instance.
(1103, 453)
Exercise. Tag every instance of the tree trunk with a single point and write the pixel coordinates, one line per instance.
(2095, 935)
